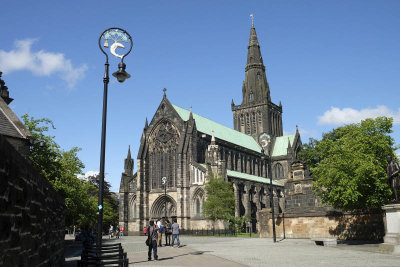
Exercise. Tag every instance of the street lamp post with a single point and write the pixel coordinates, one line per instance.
(271, 198)
(164, 181)
(118, 36)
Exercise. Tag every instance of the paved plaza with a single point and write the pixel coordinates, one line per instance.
(229, 251)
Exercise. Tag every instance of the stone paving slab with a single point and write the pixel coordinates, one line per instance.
(183, 256)
(231, 251)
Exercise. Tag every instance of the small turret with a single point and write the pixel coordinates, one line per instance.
(4, 91)
(128, 166)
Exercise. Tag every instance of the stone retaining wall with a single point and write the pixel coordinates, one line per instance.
(31, 214)
(339, 225)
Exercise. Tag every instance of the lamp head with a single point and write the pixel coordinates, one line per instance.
(121, 74)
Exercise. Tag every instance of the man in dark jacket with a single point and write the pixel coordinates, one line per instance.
(152, 235)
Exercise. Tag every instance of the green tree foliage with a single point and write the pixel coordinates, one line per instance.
(61, 169)
(349, 164)
(238, 223)
(220, 202)
(110, 201)
(45, 153)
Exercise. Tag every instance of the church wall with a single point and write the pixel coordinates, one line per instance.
(329, 225)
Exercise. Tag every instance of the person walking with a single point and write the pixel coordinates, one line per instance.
(168, 233)
(152, 236)
(117, 232)
(160, 231)
(111, 230)
(175, 233)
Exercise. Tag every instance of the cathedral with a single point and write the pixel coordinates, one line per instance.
(179, 149)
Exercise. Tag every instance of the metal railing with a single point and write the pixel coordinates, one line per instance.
(216, 232)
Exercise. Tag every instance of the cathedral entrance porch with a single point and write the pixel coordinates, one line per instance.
(160, 204)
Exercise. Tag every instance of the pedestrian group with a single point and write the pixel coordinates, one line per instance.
(155, 232)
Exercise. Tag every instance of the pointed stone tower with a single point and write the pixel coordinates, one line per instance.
(256, 114)
(127, 191)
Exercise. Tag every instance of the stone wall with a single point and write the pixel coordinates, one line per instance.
(31, 214)
(345, 226)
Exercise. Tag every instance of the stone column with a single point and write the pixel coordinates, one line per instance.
(256, 200)
(256, 167)
(237, 200)
(229, 160)
(246, 199)
(179, 191)
(185, 194)
(239, 162)
(266, 200)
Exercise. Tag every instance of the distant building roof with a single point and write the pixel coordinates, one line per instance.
(222, 132)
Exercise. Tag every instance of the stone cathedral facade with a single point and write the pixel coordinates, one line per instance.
(185, 148)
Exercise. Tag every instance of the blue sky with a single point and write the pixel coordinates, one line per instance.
(329, 62)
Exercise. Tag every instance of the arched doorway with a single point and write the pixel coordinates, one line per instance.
(158, 207)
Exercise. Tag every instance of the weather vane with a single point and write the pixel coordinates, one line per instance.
(119, 36)
(252, 19)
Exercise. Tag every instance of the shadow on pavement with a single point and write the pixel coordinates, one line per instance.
(172, 257)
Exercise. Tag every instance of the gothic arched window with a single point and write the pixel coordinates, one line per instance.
(278, 171)
(253, 122)
(248, 129)
(197, 207)
(162, 150)
(251, 96)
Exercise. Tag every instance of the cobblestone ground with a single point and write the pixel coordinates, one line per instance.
(228, 251)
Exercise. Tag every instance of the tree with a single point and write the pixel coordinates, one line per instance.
(349, 164)
(61, 168)
(110, 201)
(45, 153)
(220, 201)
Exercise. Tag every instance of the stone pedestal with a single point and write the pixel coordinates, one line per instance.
(392, 229)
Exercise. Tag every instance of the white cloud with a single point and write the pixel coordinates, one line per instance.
(40, 63)
(339, 116)
(88, 174)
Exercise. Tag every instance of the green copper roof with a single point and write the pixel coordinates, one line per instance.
(281, 145)
(250, 177)
(222, 132)
(245, 176)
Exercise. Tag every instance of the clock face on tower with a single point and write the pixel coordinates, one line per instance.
(264, 140)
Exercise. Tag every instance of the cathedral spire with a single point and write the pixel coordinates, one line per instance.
(146, 124)
(256, 114)
(128, 166)
(255, 86)
(191, 114)
(129, 152)
(212, 138)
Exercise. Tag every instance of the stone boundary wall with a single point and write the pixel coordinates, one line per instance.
(344, 226)
(32, 218)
